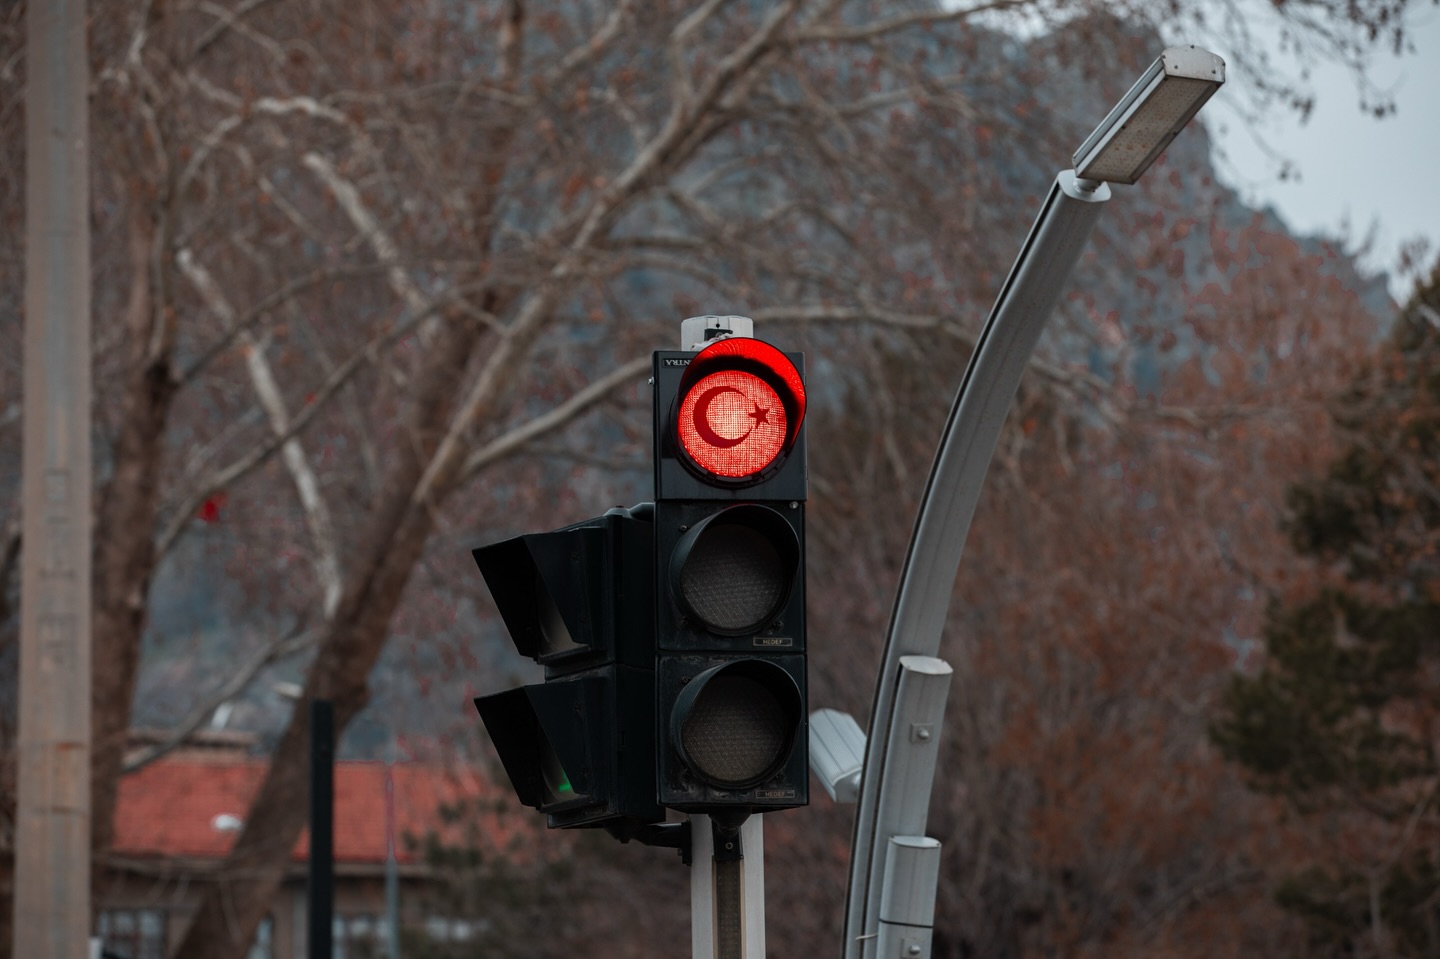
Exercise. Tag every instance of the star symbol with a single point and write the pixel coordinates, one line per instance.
(759, 414)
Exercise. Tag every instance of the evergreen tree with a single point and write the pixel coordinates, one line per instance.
(1343, 720)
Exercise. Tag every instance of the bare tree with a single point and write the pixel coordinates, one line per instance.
(366, 253)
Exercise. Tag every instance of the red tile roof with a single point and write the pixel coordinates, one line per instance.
(168, 808)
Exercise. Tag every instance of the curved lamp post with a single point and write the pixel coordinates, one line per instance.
(894, 872)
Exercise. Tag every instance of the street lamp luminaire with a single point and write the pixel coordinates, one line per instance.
(1146, 119)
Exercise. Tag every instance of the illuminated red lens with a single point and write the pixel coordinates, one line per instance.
(732, 424)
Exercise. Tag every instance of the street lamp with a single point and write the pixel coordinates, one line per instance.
(1147, 118)
(902, 882)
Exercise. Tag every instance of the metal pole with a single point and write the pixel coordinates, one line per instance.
(322, 828)
(392, 873)
(52, 829)
(727, 890)
(1132, 135)
(1001, 354)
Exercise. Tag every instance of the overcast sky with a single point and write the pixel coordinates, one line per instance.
(1359, 177)
(1370, 173)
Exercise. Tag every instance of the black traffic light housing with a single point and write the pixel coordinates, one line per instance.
(579, 601)
(672, 634)
(730, 489)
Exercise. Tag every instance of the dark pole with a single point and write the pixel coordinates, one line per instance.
(322, 827)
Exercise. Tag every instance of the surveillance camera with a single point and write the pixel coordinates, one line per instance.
(837, 753)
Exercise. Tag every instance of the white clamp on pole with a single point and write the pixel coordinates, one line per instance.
(696, 332)
(912, 865)
(907, 898)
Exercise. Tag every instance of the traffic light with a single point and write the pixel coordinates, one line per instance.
(729, 593)
(579, 601)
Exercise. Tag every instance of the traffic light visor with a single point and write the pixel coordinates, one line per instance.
(740, 405)
(546, 587)
(538, 732)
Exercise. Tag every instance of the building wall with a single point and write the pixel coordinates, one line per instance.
(131, 898)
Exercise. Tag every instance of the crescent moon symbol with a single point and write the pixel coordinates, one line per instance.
(701, 416)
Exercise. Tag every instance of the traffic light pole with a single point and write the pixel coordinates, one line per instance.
(727, 888)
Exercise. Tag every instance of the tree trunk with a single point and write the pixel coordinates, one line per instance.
(124, 537)
(251, 876)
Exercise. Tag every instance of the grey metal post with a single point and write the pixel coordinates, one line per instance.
(717, 906)
(392, 868)
(52, 829)
(1001, 354)
(1165, 98)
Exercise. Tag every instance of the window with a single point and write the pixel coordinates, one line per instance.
(359, 937)
(446, 929)
(261, 948)
(132, 933)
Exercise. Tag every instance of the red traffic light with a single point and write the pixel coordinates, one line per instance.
(740, 405)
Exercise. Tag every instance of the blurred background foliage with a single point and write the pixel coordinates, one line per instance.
(357, 266)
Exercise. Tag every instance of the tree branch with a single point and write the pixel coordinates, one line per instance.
(262, 379)
(234, 684)
(594, 47)
(675, 142)
(549, 422)
(224, 477)
(882, 28)
(370, 231)
(224, 21)
(252, 316)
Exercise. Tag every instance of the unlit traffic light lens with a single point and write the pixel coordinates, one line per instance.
(733, 572)
(735, 724)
